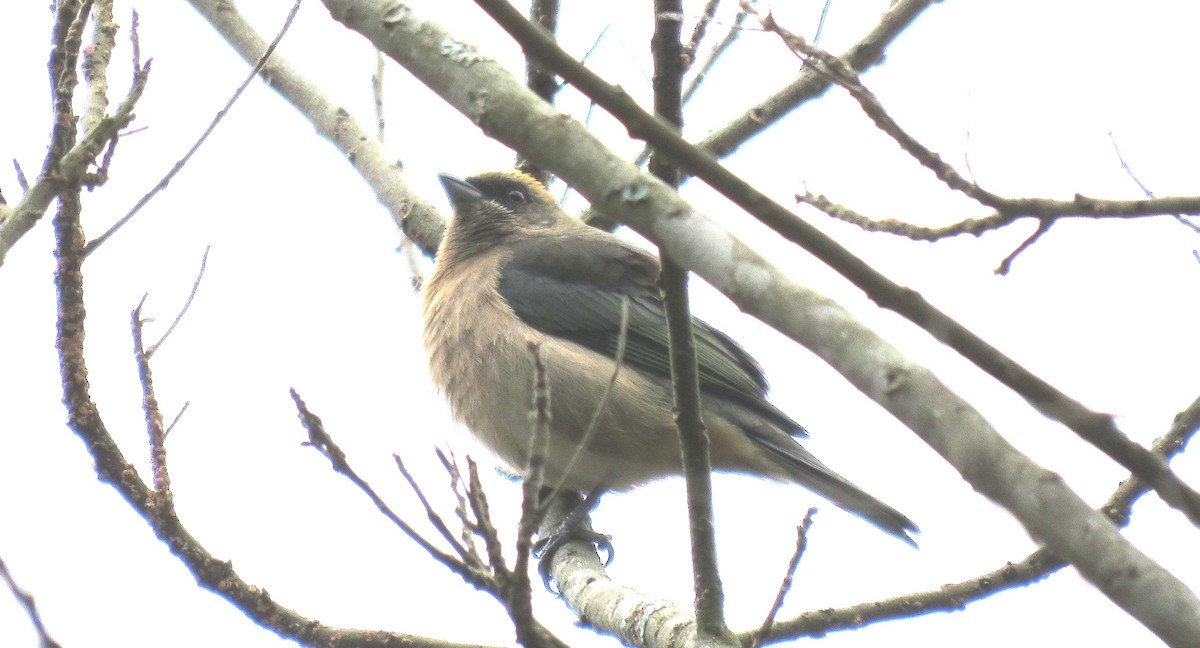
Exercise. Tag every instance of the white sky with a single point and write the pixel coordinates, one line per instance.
(304, 289)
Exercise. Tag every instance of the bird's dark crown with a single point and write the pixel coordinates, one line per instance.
(511, 189)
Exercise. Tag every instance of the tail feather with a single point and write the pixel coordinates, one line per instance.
(851, 498)
(808, 471)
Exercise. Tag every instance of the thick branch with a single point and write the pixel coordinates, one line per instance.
(1098, 429)
(953, 597)
(66, 160)
(416, 217)
(505, 110)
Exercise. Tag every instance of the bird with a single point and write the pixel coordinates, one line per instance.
(514, 269)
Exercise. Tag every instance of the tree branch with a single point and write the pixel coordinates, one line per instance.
(669, 58)
(809, 84)
(505, 110)
(1098, 429)
(954, 597)
(67, 160)
(412, 214)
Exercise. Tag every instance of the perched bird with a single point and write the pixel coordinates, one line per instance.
(514, 268)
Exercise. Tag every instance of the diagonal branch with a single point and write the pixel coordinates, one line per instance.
(505, 110)
(1098, 429)
(953, 597)
(83, 417)
(415, 216)
(685, 379)
(67, 160)
(809, 84)
(212, 126)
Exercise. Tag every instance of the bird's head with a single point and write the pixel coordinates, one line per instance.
(498, 207)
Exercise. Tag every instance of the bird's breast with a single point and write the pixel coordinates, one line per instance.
(479, 356)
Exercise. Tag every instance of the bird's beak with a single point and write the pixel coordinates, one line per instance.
(460, 192)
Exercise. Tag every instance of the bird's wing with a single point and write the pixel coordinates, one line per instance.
(572, 287)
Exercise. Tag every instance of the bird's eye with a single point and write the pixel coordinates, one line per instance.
(517, 196)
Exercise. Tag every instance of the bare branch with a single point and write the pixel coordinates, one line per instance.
(790, 573)
(27, 604)
(714, 54)
(186, 305)
(1098, 429)
(412, 214)
(95, 63)
(465, 552)
(112, 468)
(166, 179)
(698, 32)
(320, 440)
(810, 84)
(669, 60)
(954, 596)
(1042, 228)
(1043, 209)
(1052, 513)
(162, 500)
(519, 599)
(66, 162)
(538, 79)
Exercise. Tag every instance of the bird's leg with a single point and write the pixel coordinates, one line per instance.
(577, 525)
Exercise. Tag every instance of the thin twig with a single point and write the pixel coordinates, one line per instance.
(602, 404)
(519, 600)
(788, 575)
(166, 179)
(545, 14)
(809, 84)
(162, 500)
(27, 604)
(698, 32)
(1044, 226)
(483, 521)
(22, 181)
(1079, 207)
(821, 21)
(320, 440)
(710, 61)
(175, 420)
(1146, 190)
(186, 305)
(458, 486)
(436, 520)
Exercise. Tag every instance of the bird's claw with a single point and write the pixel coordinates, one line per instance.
(549, 544)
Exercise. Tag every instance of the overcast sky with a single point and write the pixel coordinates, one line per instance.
(304, 289)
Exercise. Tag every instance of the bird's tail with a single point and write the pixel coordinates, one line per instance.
(851, 498)
(806, 470)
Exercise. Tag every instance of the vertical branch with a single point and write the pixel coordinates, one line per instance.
(153, 415)
(669, 66)
(95, 63)
(539, 79)
(67, 36)
(518, 595)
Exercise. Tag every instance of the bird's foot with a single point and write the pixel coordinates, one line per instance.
(569, 531)
(575, 526)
